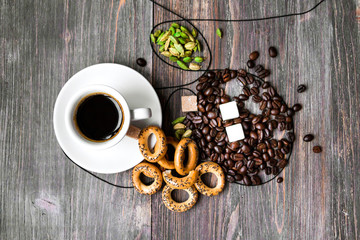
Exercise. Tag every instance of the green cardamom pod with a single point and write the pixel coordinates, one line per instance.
(188, 53)
(161, 43)
(173, 59)
(192, 39)
(187, 59)
(173, 39)
(194, 33)
(165, 36)
(179, 126)
(182, 65)
(162, 48)
(167, 43)
(198, 45)
(181, 40)
(157, 33)
(179, 133)
(179, 48)
(152, 38)
(172, 29)
(174, 52)
(199, 59)
(190, 45)
(166, 54)
(187, 134)
(177, 34)
(175, 25)
(194, 66)
(184, 29)
(184, 35)
(218, 32)
(161, 35)
(178, 120)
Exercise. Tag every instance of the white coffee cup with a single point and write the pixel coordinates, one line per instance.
(128, 115)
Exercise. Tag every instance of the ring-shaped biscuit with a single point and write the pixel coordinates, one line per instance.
(176, 206)
(150, 171)
(180, 183)
(179, 158)
(160, 145)
(164, 162)
(210, 167)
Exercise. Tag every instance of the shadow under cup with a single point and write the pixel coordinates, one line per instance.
(98, 117)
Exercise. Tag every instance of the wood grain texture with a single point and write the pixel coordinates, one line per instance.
(44, 196)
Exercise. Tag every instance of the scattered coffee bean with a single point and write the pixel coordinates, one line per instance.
(308, 137)
(301, 88)
(254, 55)
(297, 107)
(279, 180)
(272, 52)
(250, 64)
(141, 62)
(317, 149)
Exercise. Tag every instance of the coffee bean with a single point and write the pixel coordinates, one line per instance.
(268, 171)
(301, 88)
(243, 97)
(247, 180)
(283, 108)
(297, 107)
(256, 99)
(317, 149)
(211, 115)
(218, 149)
(256, 180)
(250, 64)
(243, 170)
(308, 137)
(265, 85)
(230, 178)
(254, 91)
(238, 177)
(208, 91)
(291, 136)
(225, 99)
(242, 80)
(279, 180)
(290, 112)
(231, 172)
(220, 136)
(249, 79)
(141, 62)
(272, 52)
(254, 55)
(259, 68)
(275, 170)
(275, 111)
(282, 163)
(264, 73)
(201, 108)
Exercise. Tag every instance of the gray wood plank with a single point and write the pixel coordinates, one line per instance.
(43, 43)
(44, 196)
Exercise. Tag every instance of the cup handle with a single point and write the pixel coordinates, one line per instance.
(140, 113)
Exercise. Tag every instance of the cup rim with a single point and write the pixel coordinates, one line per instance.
(72, 106)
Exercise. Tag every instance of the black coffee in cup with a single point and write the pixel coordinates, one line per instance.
(98, 117)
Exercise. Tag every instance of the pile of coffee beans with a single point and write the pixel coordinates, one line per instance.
(260, 152)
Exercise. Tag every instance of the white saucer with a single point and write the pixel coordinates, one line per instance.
(137, 91)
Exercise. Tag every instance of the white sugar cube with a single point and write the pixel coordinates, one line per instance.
(229, 110)
(235, 132)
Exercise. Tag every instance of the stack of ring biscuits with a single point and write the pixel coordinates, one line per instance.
(191, 182)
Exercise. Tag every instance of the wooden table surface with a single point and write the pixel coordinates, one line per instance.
(45, 196)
